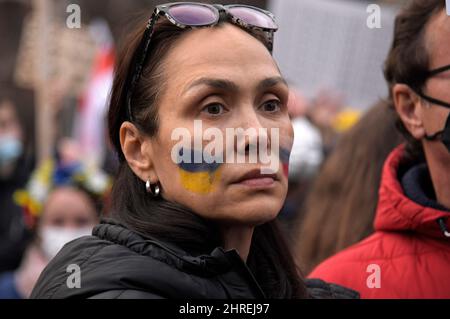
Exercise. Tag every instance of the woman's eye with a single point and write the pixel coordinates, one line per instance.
(214, 109)
(271, 106)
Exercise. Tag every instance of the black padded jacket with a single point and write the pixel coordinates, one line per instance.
(117, 263)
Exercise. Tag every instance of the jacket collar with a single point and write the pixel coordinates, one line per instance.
(418, 186)
(226, 266)
(396, 211)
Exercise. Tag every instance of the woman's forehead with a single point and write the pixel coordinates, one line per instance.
(219, 47)
(225, 52)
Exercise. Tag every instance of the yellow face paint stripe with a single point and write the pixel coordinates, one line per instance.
(199, 182)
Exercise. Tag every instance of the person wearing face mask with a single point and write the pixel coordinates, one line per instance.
(16, 164)
(408, 255)
(61, 203)
(10, 150)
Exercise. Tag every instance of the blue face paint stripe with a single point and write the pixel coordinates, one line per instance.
(196, 167)
(284, 155)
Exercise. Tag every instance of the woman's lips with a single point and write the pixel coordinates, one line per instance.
(260, 182)
(255, 179)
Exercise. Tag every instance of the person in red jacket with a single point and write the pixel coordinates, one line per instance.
(408, 256)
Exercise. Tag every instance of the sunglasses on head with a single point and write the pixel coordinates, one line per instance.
(197, 15)
(430, 99)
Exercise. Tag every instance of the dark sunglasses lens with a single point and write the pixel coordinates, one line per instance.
(253, 17)
(193, 15)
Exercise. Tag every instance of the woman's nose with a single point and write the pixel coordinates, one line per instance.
(251, 134)
(248, 118)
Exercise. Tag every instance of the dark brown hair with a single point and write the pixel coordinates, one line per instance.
(269, 257)
(408, 59)
(340, 208)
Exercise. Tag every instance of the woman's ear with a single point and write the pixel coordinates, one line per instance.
(408, 107)
(136, 148)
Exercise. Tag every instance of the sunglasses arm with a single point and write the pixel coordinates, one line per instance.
(438, 70)
(139, 59)
(431, 99)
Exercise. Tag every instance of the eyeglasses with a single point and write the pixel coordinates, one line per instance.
(196, 15)
(430, 99)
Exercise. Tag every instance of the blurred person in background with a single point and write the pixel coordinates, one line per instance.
(62, 202)
(323, 111)
(178, 226)
(305, 159)
(307, 149)
(340, 208)
(317, 126)
(408, 255)
(16, 164)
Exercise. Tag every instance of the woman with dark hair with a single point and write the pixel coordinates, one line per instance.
(201, 228)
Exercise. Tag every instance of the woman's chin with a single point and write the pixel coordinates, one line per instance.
(255, 212)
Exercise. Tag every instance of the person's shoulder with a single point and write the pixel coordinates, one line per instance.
(111, 270)
(356, 253)
(85, 255)
(350, 265)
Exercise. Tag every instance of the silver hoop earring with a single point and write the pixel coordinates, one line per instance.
(157, 190)
(152, 189)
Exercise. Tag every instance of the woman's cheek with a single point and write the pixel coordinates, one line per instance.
(200, 178)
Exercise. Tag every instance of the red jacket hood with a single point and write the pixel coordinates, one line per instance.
(396, 212)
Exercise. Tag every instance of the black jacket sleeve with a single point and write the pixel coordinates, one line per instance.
(319, 289)
(126, 294)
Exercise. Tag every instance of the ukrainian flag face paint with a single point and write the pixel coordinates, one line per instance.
(202, 176)
(285, 153)
(199, 177)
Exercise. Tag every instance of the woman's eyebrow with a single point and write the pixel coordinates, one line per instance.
(225, 84)
(270, 82)
(222, 84)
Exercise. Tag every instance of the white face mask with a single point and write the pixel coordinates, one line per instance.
(54, 238)
(10, 149)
